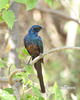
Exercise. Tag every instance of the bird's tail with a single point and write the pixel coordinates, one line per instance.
(39, 74)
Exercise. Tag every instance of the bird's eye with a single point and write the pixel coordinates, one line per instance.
(37, 29)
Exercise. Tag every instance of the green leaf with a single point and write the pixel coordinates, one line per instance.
(13, 67)
(50, 2)
(9, 17)
(20, 1)
(21, 56)
(1, 64)
(40, 98)
(7, 6)
(1, 19)
(31, 4)
(57, 93)
(3, 3)
(28, 97)
(29, 69)
(4, 95)
(18, 75)
(25, 52)
(9, 90)
(36, 91)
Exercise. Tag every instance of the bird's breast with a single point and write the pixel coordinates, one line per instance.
(33, 49)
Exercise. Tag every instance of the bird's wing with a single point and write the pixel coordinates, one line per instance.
(40, 45)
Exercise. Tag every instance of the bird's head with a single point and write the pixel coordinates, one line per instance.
(35, 29)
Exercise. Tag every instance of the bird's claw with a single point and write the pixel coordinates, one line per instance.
(40, 54)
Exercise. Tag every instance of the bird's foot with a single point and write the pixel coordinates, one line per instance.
(40, 54)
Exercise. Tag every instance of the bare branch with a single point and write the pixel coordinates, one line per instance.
(58, 13)
(13, 73)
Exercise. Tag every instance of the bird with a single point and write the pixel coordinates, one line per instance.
(34, 45)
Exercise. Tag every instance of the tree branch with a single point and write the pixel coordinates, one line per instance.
(58, 13)
(38, 58)
(52, 51)
(13, 73)
(6, 80)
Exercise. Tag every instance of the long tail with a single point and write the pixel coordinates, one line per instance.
(39, 74)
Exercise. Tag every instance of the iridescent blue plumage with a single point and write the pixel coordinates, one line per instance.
(33, 42)
(34, 45)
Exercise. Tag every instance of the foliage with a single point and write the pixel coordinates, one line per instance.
(9, 90)
(4, 4)
(57, 93)
(1, 64)
(25, 52)
(50, 2)
(29, 84)
(8, 15)
(30, 97)
(20, 1)
(31, 4)
(5, 95)
(1, 19)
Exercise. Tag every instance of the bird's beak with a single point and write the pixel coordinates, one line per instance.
(43, 28)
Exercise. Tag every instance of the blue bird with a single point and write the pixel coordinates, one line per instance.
(34, 45)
